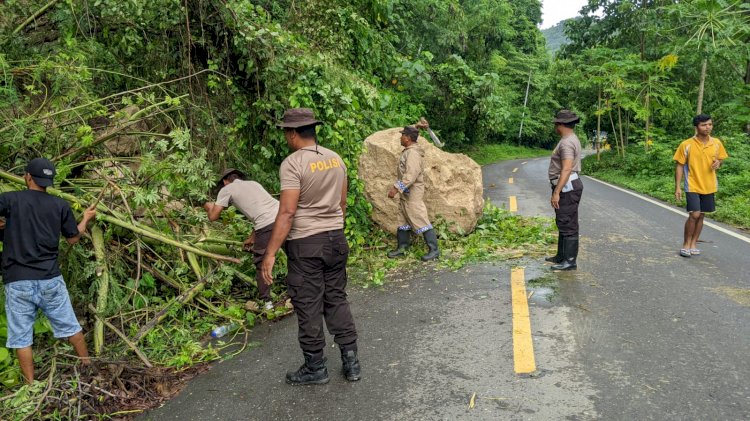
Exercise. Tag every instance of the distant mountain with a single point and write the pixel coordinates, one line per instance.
(555, 37)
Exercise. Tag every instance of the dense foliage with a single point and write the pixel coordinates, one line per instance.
(555, 36)
(652, 172)
(641, 70)
(646, 67)
(140, 103)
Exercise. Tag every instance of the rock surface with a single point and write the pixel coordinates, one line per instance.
(124, 144)
(453, 188)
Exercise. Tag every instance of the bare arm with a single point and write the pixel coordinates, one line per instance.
(213, 210)
(344, 189)
(88, 215)
(678, 169)
(283, 224)
(567, 168)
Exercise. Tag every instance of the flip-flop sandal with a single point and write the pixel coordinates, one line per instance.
(685, 252)
(695, 252)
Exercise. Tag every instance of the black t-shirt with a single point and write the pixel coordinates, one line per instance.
(34, 221)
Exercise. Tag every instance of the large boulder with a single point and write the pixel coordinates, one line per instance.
(453, 181)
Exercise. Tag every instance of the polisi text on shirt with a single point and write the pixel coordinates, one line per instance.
(324, 165)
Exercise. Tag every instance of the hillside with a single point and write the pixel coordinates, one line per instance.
(555, 37)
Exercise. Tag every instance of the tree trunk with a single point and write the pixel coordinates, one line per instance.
(626, 137)
(701, 86)
(102, 273)
(619, 125)
(599, 124)
(614, 132)
(648, 119)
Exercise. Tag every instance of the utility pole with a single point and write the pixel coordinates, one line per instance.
(523, 113)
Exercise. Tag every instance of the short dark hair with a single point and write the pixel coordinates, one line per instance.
(411, 132)
(571, 125)
(307, 131)
(700, 118)
(234, 176)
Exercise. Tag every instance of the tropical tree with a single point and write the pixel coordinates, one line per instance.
(710, 27)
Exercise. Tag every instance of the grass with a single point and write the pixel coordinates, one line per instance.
(652, 173)
(499, 235)
(490, 153)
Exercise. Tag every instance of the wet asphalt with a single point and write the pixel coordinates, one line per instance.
(636, 333)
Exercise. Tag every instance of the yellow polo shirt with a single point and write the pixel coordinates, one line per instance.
(697, 158)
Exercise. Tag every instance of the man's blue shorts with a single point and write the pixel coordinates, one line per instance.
(24, 298)
(700, 202)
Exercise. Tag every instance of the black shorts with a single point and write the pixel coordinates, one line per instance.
(700, 202)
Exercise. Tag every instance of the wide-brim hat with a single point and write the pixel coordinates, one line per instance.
(566, 116)
(227, 172)
(42, 171)
(410, 131)
(298, 117)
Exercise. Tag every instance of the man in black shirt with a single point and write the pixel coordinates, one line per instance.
(34, 221)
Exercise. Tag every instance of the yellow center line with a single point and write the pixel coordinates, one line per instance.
(515, 169)
(523, 347)
(510, 180)
(513, 204)
(524, 163)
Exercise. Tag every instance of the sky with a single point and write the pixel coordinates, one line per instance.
(554, 11)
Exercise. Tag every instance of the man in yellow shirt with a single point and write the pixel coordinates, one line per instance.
(697, 160)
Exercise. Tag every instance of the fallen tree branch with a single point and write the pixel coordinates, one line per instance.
(122, 336)
(102, 272)
(146, 233)
(33, 17)
(117, 220)
(175, 284)
(52, 370)
(181, 299)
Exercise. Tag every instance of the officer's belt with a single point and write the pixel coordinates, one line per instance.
(573, 176)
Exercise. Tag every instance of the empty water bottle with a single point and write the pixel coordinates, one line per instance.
(220, 331)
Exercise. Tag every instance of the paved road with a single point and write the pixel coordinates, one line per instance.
(636, 333)
(658, 335)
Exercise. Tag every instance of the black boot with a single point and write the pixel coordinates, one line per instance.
(570, 253)
(431, 239)
(404, 238)
(350, 364)
(313, 371)
(558, 258)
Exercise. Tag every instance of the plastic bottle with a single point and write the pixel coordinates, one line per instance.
(220, 331)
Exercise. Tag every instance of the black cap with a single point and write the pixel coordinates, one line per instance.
(411, 131)
(42, 171)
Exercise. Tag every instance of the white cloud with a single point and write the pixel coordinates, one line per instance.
(553, 11)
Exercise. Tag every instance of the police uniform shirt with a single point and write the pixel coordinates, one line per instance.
(569, 147)
(319, 174)
(250, 198)
(410, 169)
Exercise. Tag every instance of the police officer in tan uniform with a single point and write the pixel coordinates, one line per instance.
(311, 220)
(567, 188)
(253, 201)
(410, 185)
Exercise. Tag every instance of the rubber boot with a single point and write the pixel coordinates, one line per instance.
(404, 238)
(350, 364)
(431, 239)
(313, 371)
(570, 253)
(558, 258)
